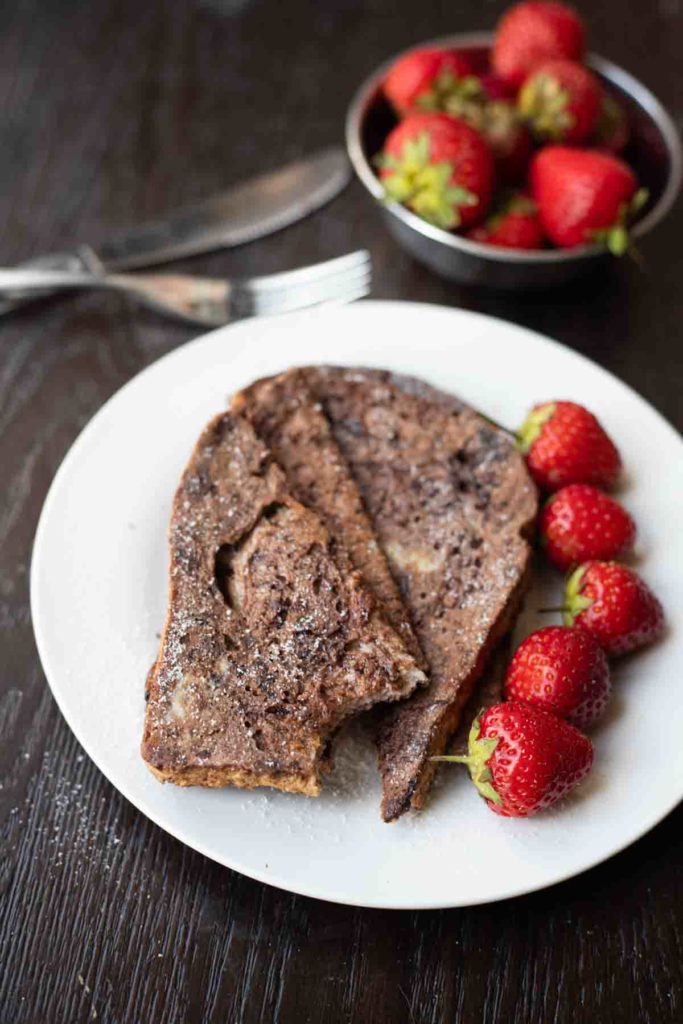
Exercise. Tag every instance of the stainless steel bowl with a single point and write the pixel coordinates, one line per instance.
(654, 151)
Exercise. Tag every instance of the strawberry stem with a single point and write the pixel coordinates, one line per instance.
(576, 601)
(480, 750)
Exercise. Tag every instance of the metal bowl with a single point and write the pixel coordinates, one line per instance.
(654, 151)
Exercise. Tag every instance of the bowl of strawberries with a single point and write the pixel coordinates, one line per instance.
(514, 159)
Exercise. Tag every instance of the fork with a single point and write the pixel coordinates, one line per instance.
(209, 301)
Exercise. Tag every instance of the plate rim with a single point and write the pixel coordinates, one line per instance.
(140, 804)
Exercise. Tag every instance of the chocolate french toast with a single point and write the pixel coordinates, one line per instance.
(452, 506)
(271, 638)
(291, 422)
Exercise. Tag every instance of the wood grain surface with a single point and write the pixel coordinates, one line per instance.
(113, 111)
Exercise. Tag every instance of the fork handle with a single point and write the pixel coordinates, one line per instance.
(201, 300)
(204, 300)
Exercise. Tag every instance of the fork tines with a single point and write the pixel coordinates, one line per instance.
(343, 279)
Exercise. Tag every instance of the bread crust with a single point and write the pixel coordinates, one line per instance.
(216, 778)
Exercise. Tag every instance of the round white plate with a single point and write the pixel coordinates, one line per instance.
(98, 593)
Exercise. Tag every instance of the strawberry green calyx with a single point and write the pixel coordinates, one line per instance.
(477, 760)
(451, 94)
(519, 205)
(532, 426)
(616, 237)
(609, 121)
(544, 103)
(574, 601)
(425, 187)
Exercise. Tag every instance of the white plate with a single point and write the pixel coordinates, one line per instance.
(98, 591)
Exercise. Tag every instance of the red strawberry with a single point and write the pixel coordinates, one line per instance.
(561, 100)
(514, 226)
(498, 120)
(523, 759)
(564, 670)
(425, 78)
(503, 128)
(496, 88)
(579, 522)
(440, 168)
(509, 138)
(613, 603)
(565, 444)
(533, 32)
(612, 130)
(585, 196)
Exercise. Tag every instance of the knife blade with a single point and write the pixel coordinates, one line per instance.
(241, 214)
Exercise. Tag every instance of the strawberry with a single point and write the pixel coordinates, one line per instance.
(426, 78)
(533, 32)
(523, 759)
(613, 603)
(501, 125)
(498, 120)
(561, 100)
(585, 196)
(612, 130)
(509, 138)
(565, 444)
(564, 670)
(514, 225)
(496, 88)
(440, 168)
(580, 523)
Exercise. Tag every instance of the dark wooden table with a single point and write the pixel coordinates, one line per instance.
(114, 111)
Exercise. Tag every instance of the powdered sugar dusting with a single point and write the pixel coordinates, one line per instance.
(270, 641)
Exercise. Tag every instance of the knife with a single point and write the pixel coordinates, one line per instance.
(241, 214)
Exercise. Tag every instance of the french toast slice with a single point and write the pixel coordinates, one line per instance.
(271, 639)
(291, 422)
(452, 506)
